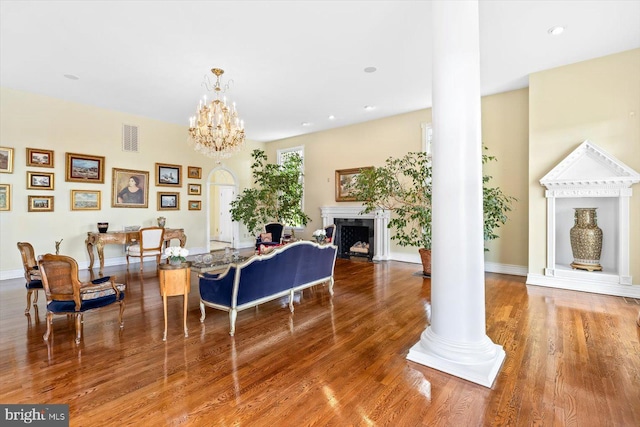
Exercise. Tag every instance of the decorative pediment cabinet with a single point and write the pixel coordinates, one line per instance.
(589, 177)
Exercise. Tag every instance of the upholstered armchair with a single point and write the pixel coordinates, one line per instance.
(66, 294)
(31, 273)
(330, 232)
(271, 236)
(150, 245)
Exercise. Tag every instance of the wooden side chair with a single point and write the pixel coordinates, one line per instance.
(31, 273)
(150, 244)
(66, 294)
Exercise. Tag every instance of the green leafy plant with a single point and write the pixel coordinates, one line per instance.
(276, 195)
(404, 187)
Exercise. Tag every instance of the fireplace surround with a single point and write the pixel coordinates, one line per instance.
(381, 239)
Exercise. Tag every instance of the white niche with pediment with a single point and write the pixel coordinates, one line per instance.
(589, 177)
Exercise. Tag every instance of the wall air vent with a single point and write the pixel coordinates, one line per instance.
(130, 138)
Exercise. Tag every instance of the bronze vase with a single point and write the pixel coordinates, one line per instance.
(586, 240)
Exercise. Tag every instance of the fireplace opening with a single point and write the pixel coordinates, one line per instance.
(354, 238)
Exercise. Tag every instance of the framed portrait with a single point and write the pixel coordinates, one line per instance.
(195, 189)
(84, 168)
(194, 172)
(40, 203)
(195, 205)
(85, 200)
(39, 158)
(345, 178)
(6, 160)
(39, 180)
(129, 188)
(168, 175)
(5, 197)
(168, 201)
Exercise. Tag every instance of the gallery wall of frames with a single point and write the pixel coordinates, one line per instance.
(129, 188)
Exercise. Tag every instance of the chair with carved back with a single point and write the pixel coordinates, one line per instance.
(31, 273)
(150, 245)
(66, 294)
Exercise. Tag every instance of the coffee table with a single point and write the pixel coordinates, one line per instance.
(219, 262)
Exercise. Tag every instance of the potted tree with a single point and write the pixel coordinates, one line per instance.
(404, 187)
(276, 194)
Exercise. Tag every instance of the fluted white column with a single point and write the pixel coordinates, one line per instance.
(456, 340)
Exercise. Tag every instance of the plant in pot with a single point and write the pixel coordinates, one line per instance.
(276, 194)
(404, 187)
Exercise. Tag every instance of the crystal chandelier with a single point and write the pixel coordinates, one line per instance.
(215, 130)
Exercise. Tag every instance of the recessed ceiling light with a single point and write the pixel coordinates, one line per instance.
(332, 117)
(71, 77)
(556, 31)
(370, 70)
(369, 107)
(305, 124)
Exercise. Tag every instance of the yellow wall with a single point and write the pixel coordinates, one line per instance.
(597, 100)
(29, 120)
(505, 132)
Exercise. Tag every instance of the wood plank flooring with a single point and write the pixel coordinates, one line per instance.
(573, 359)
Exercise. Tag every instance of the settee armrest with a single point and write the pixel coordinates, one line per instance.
(217, 289)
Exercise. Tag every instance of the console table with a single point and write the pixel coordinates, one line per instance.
(124, 238)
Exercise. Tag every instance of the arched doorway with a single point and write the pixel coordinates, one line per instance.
(222, 187)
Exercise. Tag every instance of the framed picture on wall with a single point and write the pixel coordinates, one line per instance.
(84, 168)
(85, 200)
(194, 172)
(195, 205)
(195, 189)
(129, 188)
(39, 158)
(168, 175)
(5, 197)
(168, 201)
(39, 180)
(345, 179)
(6, 160)
(40, 203)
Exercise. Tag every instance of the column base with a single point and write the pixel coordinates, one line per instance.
(478, 363)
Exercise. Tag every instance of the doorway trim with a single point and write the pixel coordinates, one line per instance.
(234, 225)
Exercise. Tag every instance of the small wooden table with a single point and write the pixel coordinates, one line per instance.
(175, 280)
(99, 240)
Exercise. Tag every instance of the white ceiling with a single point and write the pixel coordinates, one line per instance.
(290, 62)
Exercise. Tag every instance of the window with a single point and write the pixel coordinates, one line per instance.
(282, 156)
(427, 137)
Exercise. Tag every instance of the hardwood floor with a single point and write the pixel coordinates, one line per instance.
(573, 359)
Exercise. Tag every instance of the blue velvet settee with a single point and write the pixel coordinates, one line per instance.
(263, 278)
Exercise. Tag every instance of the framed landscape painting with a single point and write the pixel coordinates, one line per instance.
(194, 172)
(168, 201)
(195, 189)
(85, 200)
(345, 178)
(5, 197)
(168, 175)
(84, 168)
(40, 203)
(129, 188)
(39, 180)
(6, 160)
(195, 205)
(39, 158)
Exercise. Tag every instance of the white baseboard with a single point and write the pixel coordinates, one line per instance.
(631, 291)
(491, 267)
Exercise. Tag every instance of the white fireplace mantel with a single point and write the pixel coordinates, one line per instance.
(382, 242)
(588, 177)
